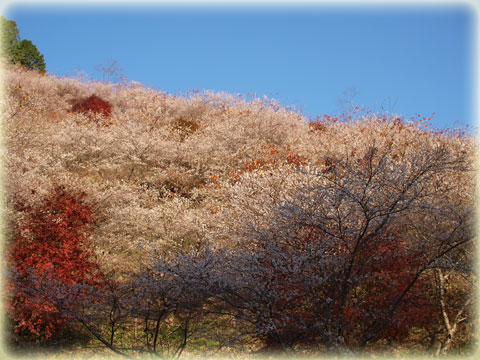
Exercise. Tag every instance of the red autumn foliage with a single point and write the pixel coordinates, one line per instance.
(387, 267)
(49, 248)
(93, 105)
(383, 270)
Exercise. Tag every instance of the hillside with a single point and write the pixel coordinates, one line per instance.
(248, 207)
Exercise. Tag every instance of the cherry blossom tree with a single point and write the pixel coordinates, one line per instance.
(347, 253)
(236, 221)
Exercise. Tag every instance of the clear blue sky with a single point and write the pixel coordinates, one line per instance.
(408, 60)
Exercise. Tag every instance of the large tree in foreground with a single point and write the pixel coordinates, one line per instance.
(342, 255)
(336, 257)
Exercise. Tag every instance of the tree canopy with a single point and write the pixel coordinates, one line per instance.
(27, 54)
(22, 52)
(10, 35)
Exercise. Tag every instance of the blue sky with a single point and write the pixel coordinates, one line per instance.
(407, 60)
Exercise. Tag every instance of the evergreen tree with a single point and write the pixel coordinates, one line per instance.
(19, 52)
(10, 37)
(27, 54)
